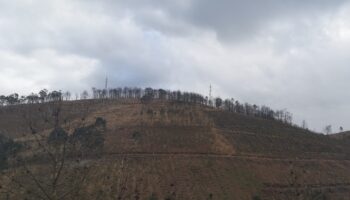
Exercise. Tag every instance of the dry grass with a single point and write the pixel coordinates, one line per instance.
(181, 151)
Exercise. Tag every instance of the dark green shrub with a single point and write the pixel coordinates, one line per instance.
(150, 111)
(153, 197)
(58, 136)
(90, 137)
(100, 123)
(8, 148)
(136, 135)
(256, 197)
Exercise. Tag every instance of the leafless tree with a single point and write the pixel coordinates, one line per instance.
(84, 95)
(304, 125)
(53, 163)
(328, 129)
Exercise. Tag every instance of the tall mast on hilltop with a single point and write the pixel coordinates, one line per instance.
(106, 83)
(210, 94)
(106, 87)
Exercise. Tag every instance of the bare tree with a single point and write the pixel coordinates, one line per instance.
(304, 125)
(218, 102)
(328, 129)
(84, 95)
(50, 165)
(43, 95)
(67, 95)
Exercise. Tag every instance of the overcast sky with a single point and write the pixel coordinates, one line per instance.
(286, 54)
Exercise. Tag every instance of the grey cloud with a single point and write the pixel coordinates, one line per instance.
(229, 19)
(284, 54)
(237, 19)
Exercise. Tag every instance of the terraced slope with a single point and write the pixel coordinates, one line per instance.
(183, 151)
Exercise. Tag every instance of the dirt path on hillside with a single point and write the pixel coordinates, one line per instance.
(211, 155)
(319, 186)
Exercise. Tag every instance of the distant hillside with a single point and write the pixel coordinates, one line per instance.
(177, 150)
(342, 135)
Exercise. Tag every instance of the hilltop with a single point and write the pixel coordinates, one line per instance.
(177, 150)
(341, 135)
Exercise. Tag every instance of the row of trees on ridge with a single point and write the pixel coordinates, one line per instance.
(149, 94)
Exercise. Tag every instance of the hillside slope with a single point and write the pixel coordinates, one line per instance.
(185, 151)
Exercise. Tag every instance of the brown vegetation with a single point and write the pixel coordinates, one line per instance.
(167, 150)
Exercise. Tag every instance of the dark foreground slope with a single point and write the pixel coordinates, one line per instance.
(181, 151)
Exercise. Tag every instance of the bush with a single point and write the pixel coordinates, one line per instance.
(150, 111)
(153, 197)
(90, 137)
(8, 148)
(101, 123)
(136, 135)
(58, 136)
(256, 197)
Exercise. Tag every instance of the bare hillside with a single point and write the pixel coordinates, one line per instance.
(187, 151)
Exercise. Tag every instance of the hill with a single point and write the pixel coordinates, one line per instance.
(341, 135)
(172, 150)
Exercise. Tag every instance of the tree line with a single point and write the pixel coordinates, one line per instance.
(41, 97)
(149, 94)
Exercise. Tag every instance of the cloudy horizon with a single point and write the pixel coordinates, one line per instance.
(284, 54)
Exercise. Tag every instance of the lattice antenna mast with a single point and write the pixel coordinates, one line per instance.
(210, 95)
(106, 83)
(106, 87)
(210, 92)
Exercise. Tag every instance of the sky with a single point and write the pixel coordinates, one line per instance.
(290, 54)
